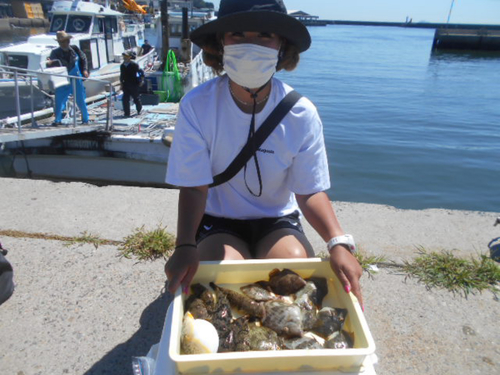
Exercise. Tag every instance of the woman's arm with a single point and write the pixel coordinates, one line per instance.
(183, 263)
(319, 212)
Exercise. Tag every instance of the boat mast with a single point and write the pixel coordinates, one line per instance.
(451, 8)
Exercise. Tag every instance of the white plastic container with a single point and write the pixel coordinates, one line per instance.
(51, 82)
(236, 273)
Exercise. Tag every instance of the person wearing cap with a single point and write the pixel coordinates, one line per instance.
(256, 214)
(130, 79)
(75, 62)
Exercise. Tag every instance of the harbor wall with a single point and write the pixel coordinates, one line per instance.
(12, 23)
(424, 25)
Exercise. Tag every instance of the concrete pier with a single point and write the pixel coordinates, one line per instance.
(464, 39)
(85, 310)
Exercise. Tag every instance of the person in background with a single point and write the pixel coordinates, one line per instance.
(257, 213)
(145, 48)
(75, 62)
(130, 79)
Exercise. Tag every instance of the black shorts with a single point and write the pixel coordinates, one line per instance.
(251, 231)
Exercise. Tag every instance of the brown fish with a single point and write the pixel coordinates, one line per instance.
(285, 282)
(241, 302)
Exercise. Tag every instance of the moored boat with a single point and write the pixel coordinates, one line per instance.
(134, 152)
(99, 31)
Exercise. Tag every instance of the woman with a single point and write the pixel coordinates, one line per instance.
(256, 213)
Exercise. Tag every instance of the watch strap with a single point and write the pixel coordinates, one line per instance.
(345, 239)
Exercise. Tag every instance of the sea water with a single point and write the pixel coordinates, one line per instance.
(404, 126)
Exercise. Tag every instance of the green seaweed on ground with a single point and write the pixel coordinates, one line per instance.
(366, 261)
(148, 244)
(458, 275)
(87, 238)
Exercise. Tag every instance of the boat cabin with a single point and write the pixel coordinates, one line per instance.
(100, 32)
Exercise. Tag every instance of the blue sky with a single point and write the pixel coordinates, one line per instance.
(464, 11)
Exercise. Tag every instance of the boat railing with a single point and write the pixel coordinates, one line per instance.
(199, 72)
(35, 77)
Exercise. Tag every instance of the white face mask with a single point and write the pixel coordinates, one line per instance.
(250, 65)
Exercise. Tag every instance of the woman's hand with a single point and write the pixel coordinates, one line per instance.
(348, 270)
(181, 267)
(183, 263)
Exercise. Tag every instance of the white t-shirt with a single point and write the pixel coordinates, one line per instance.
(211, 130)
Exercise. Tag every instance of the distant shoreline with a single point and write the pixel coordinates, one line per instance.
(422, 25)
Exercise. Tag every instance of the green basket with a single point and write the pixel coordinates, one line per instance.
(171, 81)
(162, 96)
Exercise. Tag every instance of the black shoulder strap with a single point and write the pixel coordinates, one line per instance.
(258, 138)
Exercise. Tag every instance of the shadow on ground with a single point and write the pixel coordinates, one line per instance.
(118, 361)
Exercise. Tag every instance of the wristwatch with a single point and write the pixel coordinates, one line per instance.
(345, 239)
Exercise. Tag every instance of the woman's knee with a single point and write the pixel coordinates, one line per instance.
(284, 243)
(223, 247)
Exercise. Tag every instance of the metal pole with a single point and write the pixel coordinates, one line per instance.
(33, 124)
(109, 115)
(18, 102)
(451, 8)
(74, 102)
(164, 31)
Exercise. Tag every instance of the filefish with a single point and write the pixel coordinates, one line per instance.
(284, 318)
(285, 282)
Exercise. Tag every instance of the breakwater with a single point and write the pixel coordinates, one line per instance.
(421, 25)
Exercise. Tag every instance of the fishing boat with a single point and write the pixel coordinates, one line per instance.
(101, 33)
(134, 151)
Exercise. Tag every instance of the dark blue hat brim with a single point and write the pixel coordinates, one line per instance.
(262, 21)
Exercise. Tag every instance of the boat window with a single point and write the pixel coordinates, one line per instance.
(98, 28)
(78, 24)
(132, 42)
(129, 42)
(58, 22)
(126, 44)
(111, 25)
(18, 61)
(86, 49)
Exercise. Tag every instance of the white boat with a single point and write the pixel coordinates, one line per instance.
(135, 152)
(101, 33)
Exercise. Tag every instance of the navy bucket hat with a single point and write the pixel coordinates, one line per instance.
(254, 15)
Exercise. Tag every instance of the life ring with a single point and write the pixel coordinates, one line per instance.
(78, 24)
